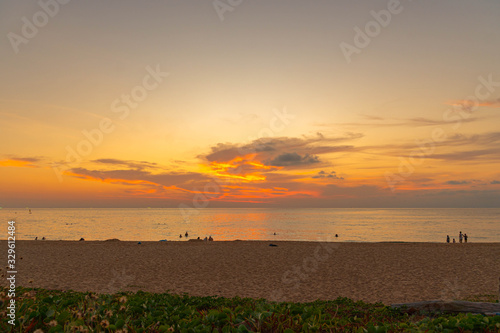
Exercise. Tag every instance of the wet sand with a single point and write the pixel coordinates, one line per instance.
(291, 271)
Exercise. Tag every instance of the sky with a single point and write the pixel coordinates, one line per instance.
(239, 103)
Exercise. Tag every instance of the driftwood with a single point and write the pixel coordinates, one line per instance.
(448, 306)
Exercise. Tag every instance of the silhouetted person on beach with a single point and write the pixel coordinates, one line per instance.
(465, 238)
(460, 237)
(336, 235)
(180, 236)
(210, 239)
(36, 238)
(447, 238)
(186, 234)
(453, 240)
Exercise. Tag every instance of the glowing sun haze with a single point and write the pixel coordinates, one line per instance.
(259, 104)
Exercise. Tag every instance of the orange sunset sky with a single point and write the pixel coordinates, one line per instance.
(250, 103)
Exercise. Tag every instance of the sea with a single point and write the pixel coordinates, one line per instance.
(292, 224)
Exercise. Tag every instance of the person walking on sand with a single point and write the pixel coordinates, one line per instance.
(448, 239)
(460, 237)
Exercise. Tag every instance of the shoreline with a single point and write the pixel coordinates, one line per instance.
(243, 240)
(387, 272)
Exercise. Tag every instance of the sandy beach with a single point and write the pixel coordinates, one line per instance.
(290, 271)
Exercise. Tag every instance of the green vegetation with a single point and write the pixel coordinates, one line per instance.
(482, 298)
(59, 311)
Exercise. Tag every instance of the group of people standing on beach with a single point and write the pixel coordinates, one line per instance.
(461, 237)
(209, 239)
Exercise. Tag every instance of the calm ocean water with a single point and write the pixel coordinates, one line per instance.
(360, 225)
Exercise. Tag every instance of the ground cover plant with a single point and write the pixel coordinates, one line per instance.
(41, 310)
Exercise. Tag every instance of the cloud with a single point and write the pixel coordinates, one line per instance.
(376, 121)
(271, 147)
(256, 160)
(491, 154)
(142, 177)
(242, 173)
(252, 178)
(454, 147)
(186, 187)
(458, 182)
(278, 189)
(290, 159)
(139, 165)
(495, 182)
(20, 162)
(323, 174)
(27, 159)
(469, 104)
(261, 172)
(484, 139)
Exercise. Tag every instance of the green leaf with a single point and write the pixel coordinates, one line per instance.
(63, 317)
(120, 323)
(50, 312)
(56, 329)
(243, 328)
